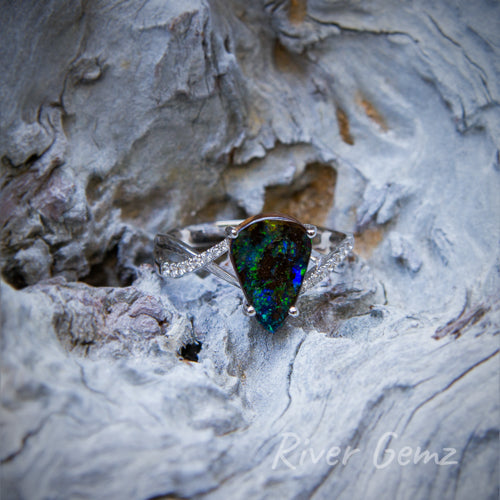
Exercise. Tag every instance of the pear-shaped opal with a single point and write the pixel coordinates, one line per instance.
(270, 257)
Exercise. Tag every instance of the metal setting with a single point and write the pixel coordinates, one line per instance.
(248, 310)
(312, 231)
(293, 312)
(231, 232)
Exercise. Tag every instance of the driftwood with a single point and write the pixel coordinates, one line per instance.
(121, 119)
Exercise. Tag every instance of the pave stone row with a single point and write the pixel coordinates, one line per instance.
(328, 264)
(313, 277)
(178, 269)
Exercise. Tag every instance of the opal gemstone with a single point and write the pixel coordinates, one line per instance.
(270, 256)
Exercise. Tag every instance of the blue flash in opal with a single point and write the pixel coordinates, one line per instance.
(270, 257)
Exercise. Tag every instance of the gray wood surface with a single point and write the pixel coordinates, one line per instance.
(121, 119)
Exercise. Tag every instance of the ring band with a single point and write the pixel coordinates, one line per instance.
(274, 259)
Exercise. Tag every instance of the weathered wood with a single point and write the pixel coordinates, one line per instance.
(121, 119)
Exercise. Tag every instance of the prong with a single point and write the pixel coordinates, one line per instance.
(293, 312)
(311, 230)
(248, 310)
(231, 232)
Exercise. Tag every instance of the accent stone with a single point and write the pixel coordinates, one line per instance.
(270, 257)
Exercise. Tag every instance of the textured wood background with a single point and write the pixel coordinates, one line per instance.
(120, 119)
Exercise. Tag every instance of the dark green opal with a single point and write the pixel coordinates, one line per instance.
(270, 257)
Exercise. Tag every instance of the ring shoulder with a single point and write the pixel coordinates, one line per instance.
(333, 247)
(198, 246)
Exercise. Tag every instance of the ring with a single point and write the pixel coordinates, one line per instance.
(274, 258)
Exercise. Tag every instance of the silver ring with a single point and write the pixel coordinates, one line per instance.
(273, 259)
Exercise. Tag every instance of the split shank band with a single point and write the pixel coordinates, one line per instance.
(274, 258)
(198, 246)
